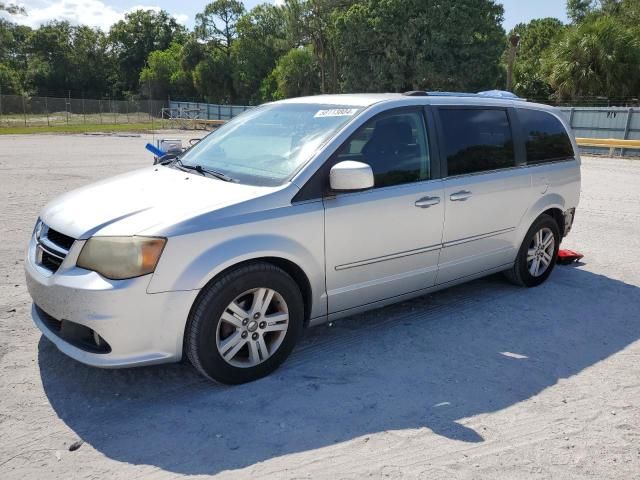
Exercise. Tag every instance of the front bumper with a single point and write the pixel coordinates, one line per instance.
(140, 328)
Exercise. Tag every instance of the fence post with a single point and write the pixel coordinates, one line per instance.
(84, 115)
(24, 110)
(573, 110)
(128, 111)
(67, 106)
(627, 128)
(219, 114)
(46, 108)
(0, 104)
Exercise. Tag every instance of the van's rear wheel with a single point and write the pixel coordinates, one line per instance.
(244, 324)
(538, 253)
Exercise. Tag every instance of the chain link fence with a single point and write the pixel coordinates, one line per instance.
(23, 111)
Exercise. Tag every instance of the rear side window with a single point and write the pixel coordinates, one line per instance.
(546, 137)
(476, 140)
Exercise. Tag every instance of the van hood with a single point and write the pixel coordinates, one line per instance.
(137, 201)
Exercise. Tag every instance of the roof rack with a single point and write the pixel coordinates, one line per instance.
(488, 94)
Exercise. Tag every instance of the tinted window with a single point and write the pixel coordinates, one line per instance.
(476, 140)
(394, 145)
(547, 139)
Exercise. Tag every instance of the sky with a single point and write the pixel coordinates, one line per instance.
(104, 13)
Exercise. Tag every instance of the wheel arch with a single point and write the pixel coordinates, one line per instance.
(552, 205)
(298, 275)
(558, 215)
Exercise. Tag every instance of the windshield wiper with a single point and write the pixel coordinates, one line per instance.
(203, 171)
(213, 173)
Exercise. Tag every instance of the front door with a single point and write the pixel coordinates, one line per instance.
(385, 242)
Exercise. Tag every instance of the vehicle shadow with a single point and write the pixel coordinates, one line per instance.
(426, 363)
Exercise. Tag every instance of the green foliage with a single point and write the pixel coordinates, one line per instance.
(134, 38)
(14, 45)
(164, 76)
(262, 40)
(536, 37)
(12, 8)
(299, 47)
(578, 10)
(212, 79)
(597, 57)
(396, 45)
(9, 80)
(63, 56)
(315, 19)
(296, 74)
(217, 24)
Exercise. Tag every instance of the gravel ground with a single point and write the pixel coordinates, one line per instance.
(484, 380)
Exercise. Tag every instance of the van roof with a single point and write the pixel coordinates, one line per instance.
(494, 97)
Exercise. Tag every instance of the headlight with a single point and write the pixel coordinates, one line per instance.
(119, 258)
(37, 230)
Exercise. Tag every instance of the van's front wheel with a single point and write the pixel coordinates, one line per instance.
(245, 324)
(538, 253)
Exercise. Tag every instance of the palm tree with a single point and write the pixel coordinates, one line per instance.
(599, 57)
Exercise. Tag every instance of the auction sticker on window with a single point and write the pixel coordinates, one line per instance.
(337, 112)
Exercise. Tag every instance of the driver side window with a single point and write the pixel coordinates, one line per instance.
(395, 145)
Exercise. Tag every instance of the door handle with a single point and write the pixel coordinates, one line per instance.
(427, 202)
(461, 196)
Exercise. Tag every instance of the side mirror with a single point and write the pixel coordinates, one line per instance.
(351, 176)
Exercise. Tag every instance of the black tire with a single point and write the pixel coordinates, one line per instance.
(200, 342)
(519, 274)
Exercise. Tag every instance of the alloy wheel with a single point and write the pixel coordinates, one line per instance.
(252, 327)
(540, 253)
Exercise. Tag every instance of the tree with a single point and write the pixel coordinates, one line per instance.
(15, 43)
(9, 80)
(164, 76)
(398, 45)
(536, 37)
(626, 11)
(212, 78)
(316, 26)
(577, 10)
(599, 57)
(262, 40)
(296, 74)
(134, 38)
(217, 24)
(12, 9)
(64, 57)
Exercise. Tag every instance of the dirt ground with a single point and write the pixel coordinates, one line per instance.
(484, 380)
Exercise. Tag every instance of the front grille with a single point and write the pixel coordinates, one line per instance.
(77, 335)
(60, 239)
(52, 249)
(50, 262)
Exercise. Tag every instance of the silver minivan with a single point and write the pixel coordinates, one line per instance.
(297, 213)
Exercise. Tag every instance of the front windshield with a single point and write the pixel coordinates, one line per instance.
(266, 145)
